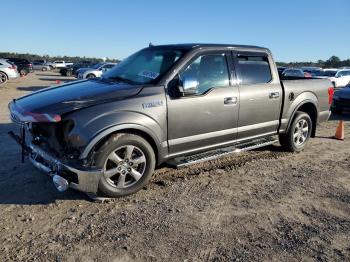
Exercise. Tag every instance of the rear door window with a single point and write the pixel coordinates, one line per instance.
(253, 69)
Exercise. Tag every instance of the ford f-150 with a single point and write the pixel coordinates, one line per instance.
(180, 104)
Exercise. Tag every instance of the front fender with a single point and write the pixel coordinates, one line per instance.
(88, 132)
(161, 147)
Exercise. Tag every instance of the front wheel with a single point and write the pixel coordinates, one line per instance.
(298, 134)
(127, 162)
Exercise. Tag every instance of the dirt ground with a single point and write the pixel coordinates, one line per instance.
(264, 205)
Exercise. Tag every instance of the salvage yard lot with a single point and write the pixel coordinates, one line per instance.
(261, 205)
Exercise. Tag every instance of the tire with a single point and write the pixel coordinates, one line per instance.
(44, 69)
(90, 76)
(23, 72)
(3, 78)
(297, 136)
(117, 158)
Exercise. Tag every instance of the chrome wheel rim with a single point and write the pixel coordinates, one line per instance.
(124, 166)
(301, 132)
(2, 78)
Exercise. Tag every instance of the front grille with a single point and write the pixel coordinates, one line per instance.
(342, 102)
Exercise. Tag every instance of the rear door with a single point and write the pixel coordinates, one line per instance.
(260, 94)
(208, 118)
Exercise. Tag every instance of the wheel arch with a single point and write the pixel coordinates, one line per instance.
(141, 131)
(5, 74)
(310, 108)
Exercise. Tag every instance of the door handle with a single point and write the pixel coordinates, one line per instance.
(230, 100)
(274, 95)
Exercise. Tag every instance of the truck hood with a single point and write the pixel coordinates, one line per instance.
(76, 95)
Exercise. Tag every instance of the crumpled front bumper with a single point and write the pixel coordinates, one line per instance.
(81, 178)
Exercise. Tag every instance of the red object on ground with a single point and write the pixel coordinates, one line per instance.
(58, 82)
(339, 134)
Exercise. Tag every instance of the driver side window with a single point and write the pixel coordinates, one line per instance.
(210, 71)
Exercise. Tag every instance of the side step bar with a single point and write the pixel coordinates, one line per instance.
(221, 152)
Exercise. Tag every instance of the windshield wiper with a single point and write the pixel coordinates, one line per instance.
(121, 79)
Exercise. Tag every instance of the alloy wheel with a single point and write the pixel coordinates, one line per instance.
(124, 166)
(301, 132)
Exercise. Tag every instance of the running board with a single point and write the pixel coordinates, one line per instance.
(221, 152)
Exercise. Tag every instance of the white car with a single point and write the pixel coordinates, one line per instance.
(341, 78)
(95, 71)
(61, 64)
(7, 71)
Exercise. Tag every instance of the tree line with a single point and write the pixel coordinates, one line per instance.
(332, 62)
(74, 59)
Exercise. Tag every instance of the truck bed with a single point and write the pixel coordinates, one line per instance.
(301, 90)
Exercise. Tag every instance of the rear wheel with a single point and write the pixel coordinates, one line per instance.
(298, 134)
(3, 78)
(127, 161)
(90, 76)
(23, 72)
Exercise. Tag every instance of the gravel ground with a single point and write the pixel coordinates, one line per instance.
(262, 205)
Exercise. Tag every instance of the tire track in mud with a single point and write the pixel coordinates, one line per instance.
(227, 163)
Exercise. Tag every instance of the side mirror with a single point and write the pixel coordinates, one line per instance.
(189, 86)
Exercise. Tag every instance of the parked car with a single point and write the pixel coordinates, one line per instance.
(341, 101)
(95, 71)
(71, 70)
(181, 104)
(341, 78)
(293, 72)
(280, 70)
(41, 65)
(316, 73)
(330, 72)
(60, 64)
(24, 67)
(7, 71)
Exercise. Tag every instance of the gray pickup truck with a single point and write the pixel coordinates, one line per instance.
(180, 104)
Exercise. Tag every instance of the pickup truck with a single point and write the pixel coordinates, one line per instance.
(179, 104)
(61, 64)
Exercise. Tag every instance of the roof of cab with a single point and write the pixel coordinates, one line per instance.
(198, 45)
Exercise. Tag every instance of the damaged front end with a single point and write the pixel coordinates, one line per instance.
(44, 138)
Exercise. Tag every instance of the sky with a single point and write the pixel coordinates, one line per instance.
(294, 30)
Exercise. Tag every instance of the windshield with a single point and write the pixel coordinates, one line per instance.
(145, 66)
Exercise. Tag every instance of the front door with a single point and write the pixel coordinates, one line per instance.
(209, 117)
